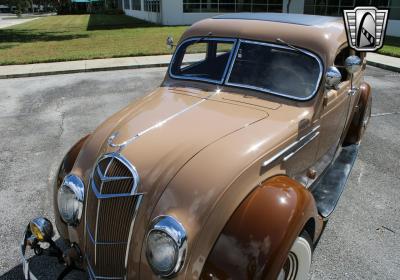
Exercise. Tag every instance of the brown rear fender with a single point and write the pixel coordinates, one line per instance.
(256, 240)
(361, 116)
(65, 167)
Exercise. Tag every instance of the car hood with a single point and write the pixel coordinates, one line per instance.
(164, 131)
(170, 128)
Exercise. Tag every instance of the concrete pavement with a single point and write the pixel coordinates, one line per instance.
(383, 61)
(7, 20)
(41, 117)
(43, 69)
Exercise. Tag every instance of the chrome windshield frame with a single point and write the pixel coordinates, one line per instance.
(231, 62)
(306, 52)
(201, 40)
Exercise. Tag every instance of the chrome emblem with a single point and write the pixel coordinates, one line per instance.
(366, 27)
(102, 176)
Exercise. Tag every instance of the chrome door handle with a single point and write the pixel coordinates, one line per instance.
(353, 91)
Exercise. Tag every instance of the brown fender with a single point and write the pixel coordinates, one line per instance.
(257, 238)
(361, 116)
(65, 167)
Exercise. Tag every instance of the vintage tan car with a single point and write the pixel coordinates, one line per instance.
(228, 170)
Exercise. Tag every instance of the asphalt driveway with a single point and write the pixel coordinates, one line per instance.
(41, 117)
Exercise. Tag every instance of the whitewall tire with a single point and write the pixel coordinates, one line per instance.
(298, 263)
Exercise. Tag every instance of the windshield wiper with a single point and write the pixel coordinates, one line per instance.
(291, 46)
(204, 37)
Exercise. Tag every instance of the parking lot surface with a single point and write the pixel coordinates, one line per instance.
(41, 117)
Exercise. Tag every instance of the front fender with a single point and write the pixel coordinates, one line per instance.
(256, 240)
(65, 167)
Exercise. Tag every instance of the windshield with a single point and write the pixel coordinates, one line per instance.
(265, 67)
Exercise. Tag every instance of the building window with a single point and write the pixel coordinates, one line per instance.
(152, 6)
(232, 6)
(394, 10)
(335, 7)
(126, 5)
(136, 5)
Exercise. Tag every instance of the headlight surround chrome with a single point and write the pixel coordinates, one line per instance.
(70, 199)
(42, 229)
(166, 246)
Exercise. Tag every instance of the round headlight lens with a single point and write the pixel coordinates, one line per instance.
(166, 246)
(42, 229)
(70, 199)
(162, 252)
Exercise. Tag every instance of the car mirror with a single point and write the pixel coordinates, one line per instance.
(333, 77)
(170, 42)
(353, 64)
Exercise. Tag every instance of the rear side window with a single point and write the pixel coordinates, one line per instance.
(277, 70)
(205, 60)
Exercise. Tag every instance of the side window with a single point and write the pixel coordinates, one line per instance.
(195, 54)
(339, 63)
(204, 60)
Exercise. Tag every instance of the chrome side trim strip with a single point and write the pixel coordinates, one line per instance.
(306, 142)
(138, 202)
(295, 146)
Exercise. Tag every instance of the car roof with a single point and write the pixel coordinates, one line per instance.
(308, 20)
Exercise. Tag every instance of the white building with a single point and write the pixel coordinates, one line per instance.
(186, 12)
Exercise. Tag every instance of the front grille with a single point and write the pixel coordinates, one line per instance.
(111, 207)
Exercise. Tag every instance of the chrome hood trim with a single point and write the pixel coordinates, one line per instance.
(123, 144)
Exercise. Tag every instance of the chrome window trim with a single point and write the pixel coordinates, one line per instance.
(219, 82)
(317, 85)
(173, 228)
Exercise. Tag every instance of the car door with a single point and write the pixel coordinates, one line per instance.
(335, 111)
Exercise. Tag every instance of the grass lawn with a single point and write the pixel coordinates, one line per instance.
(391, 47)
(75, 37)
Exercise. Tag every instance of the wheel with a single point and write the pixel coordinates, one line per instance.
(298, 263)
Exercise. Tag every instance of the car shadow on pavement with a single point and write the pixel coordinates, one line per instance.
(13, 274)
(44, 268)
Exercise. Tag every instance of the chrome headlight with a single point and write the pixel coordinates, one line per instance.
(166, 246)
(70, 199)
(42, 229)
